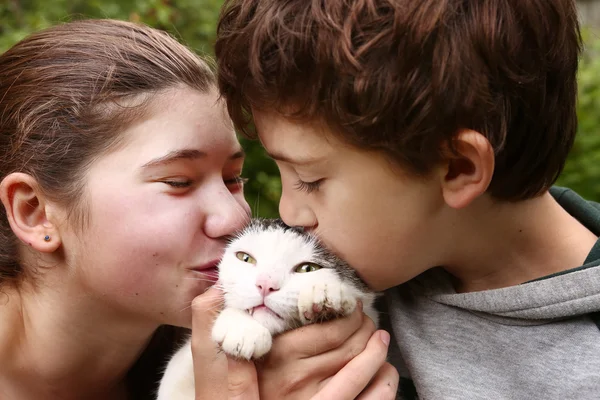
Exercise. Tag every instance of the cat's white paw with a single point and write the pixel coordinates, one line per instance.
(325, 300)
(240, 335)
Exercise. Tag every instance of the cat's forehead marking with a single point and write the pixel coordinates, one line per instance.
(273, 243)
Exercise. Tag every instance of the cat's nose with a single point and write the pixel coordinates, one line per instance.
(266, 286)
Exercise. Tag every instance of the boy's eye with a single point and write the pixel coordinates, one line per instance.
(307, 267)
(245, 257)
(178, 183)
(308, 187)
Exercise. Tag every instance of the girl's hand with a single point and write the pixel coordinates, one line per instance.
(215, 376)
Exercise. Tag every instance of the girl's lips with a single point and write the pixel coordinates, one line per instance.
(208, 265)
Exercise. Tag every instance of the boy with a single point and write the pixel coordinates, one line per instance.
(420, 140)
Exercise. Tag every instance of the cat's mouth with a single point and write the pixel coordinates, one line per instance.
(265, 309)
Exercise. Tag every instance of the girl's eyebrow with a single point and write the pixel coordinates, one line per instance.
(185, 154)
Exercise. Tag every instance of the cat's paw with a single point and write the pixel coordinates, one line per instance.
(324, 301)
(241, 336)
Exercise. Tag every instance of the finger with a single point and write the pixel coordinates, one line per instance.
(355, 376)
(330, 362)
(242, 380)
(210, 365)
(310, 340)
(205, 308)
(383, 386)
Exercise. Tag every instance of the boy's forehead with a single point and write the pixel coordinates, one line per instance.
(284, 137)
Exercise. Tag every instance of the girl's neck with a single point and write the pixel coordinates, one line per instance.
(64, 343)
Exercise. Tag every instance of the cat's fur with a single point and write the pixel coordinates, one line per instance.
(293, 298)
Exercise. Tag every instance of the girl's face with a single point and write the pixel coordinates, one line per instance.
(160, 208)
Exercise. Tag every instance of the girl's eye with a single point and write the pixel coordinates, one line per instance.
(307, 267)
(245, 257)
(308, 187)
(178, 184)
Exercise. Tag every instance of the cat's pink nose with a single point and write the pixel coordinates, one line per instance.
(266, 286)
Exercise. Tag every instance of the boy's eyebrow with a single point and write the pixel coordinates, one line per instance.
(186, 154)
(297, 161)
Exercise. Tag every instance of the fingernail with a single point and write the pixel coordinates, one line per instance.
(385, 337)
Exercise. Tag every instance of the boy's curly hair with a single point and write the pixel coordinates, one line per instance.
(405, 76)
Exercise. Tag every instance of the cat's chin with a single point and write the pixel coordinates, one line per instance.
(269, 319)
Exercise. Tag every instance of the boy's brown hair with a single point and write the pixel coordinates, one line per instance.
(405, 76)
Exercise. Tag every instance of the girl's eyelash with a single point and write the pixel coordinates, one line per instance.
(240, 180)
(308, 187)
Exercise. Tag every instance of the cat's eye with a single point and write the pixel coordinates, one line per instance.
(245, 257)
(307, 267)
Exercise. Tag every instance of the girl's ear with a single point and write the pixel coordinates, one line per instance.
(469, 170)
(28, 212)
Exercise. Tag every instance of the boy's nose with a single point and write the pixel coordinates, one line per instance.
(295, 213)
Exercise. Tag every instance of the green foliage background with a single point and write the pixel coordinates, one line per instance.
(193, 22)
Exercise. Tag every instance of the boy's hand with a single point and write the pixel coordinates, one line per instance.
(340, 359)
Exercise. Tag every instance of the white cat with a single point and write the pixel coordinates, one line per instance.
(274, 278)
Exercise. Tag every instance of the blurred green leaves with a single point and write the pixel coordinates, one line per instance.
(582, 171)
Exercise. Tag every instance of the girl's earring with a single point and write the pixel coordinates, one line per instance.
(47, 238)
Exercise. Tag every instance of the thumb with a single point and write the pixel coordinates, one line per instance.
(210, 364)
(242, 380)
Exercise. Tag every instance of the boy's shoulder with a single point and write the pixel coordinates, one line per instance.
(585, 211)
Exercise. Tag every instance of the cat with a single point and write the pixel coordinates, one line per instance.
(274, 278)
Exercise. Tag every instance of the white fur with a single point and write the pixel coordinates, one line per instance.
(300, 296)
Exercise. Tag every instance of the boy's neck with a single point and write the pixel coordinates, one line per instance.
(506, 244)
(56, 349)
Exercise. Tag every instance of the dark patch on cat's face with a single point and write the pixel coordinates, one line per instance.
(323, 256)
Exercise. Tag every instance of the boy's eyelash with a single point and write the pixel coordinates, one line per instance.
(308, 187)
(178, 184)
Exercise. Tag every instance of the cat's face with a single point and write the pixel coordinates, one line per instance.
(263, 272)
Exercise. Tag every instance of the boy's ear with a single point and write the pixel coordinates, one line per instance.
(468, 170)
(28, 213)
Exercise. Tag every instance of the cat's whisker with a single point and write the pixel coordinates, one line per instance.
(216, 305)
(256, 204)
(200, 279)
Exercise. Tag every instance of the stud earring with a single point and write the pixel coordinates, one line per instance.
(47, 238)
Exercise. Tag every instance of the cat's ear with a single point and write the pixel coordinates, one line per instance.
(468, 168)
(29, 213)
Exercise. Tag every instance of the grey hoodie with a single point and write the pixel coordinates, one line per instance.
(537, 340)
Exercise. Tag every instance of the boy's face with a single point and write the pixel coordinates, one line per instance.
(384, 222)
